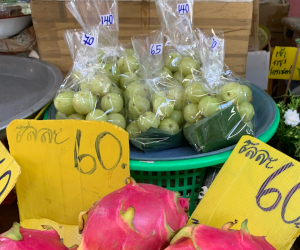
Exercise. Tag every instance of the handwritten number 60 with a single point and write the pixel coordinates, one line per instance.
(263, 191)
(78, 158)
(97, 147)
(286, 200)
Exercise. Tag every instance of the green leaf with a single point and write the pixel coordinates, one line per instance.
(299, 72)
(298, 41)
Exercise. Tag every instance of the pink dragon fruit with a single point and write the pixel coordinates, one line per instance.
(18, 238)
(135, 217)
(210, 238)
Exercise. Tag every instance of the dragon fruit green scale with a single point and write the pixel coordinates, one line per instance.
(135, 217)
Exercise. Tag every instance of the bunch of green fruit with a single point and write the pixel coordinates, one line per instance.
(181, 68)
(202, 104)
(241, 96)
(122, 70)
(98, 100)
(162, 110)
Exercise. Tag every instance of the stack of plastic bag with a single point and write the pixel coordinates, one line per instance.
(218, 109)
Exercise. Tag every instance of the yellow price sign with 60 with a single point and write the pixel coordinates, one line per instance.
(66, 164)
(260, 184)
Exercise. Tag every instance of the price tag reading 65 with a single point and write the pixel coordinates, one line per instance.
(156, 49)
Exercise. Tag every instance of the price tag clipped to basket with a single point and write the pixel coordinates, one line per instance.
(67, 165)
(9, 172)
(260, 184)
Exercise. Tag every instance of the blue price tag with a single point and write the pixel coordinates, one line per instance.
(88, 40)
(183, 8)
(156, 49)
(107, 19)
(214, 44)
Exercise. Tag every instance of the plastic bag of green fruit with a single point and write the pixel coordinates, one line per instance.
(153, 103)
(218, 107)
(181, 51)
(90, 90)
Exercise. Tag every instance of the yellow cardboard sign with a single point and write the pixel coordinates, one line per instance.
(260, 184)
(67, 166)
(282, 63)
(9, 172)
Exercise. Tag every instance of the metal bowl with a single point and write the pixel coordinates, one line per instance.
(26, 86)
(13, 25)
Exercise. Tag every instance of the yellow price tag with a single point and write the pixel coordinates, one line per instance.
(282, 63)
(67, 166)
(260, 184)
(9, 172)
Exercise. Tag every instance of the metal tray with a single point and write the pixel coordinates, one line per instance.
(26, 85)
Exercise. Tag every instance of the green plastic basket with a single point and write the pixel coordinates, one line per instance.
(184, 176)
(187, 182)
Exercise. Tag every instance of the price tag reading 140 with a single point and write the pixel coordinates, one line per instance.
(183, 8)
(156, 49)
(260, 184)
(107, 19)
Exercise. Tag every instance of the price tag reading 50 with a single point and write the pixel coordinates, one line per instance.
(260, 184)
(88, 40)
(156, 49)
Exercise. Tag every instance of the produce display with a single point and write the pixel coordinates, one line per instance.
(210, 238)
(164, 86)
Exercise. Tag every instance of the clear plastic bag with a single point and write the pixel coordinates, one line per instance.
(218, 109)
(90, 90)
(181, 52)
(90, 13)
(154, 102)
